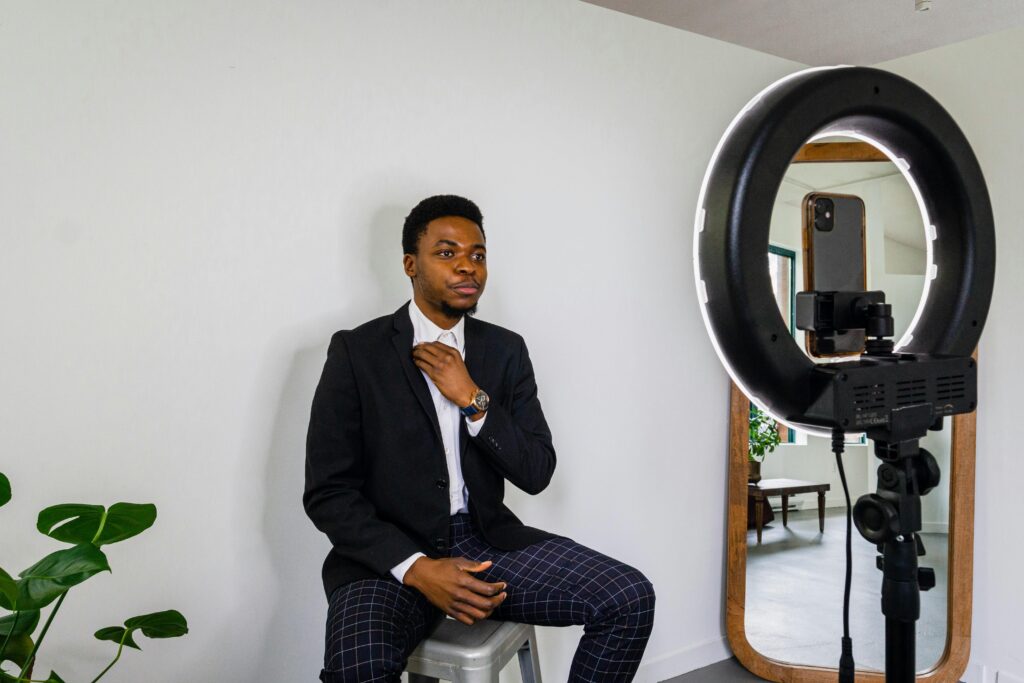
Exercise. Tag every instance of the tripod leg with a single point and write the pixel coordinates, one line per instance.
(900, 651)
(901, 605)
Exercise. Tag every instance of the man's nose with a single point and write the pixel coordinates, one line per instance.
(465, 265)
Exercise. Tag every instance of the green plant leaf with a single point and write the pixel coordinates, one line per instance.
(115, 634)
(167, 624)
(22, 623)
(77, 523)
(18, 650)
(44, 581)
(8, 590)
(54, 678)
(5, 490)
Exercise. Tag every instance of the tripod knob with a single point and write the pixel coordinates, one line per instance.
(927, 470)
(877, 519)
(926, 578)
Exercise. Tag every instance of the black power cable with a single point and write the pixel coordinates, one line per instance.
(846, 667)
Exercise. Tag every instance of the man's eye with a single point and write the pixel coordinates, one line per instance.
(446, 252)
(480, 257)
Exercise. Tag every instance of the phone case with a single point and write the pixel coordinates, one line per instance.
(835, 260)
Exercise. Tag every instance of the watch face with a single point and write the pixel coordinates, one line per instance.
(481, 400)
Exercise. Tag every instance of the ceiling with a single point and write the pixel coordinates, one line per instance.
(829, 32)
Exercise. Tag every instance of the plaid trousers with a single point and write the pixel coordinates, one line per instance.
(373, 625)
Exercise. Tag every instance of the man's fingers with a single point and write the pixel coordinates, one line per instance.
(424, 366)
(464, 618)
(470, 566)
(431, 350)
(420, 356)
(478, 600)
(474, 605)
(438, 353)
(484, 587)
(439, 347)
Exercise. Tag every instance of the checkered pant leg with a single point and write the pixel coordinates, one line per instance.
(373, 625)
(559, 582)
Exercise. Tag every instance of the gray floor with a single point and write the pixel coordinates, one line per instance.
(795, 597)
(723, 672)
(795, 594)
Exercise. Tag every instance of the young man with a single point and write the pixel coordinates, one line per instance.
(418, 420)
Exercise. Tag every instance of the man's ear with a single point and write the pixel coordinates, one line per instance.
(409, 264)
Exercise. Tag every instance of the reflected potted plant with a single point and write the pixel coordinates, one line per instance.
(764, 438)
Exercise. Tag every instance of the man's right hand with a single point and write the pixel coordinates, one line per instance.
(448, 583)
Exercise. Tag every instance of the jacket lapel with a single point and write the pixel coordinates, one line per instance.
(402, 341)
(476, 351)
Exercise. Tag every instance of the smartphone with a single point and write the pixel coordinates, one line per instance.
(834, 261)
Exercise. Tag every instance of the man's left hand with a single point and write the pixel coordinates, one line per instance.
(444, 366)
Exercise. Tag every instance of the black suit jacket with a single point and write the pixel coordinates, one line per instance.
(376, 475)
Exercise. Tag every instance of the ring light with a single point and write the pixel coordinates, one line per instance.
(735, 207)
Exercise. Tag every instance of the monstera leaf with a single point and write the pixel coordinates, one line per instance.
(19, 624)
(18, 650)
(8, 590)
(54, 678)
(44, 581)
(166, 624)
(5, 490)
(74, 523)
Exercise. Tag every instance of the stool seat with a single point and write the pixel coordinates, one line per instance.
(474, 654)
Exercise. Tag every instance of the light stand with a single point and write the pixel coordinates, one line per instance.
(864, 393)
(893, 393)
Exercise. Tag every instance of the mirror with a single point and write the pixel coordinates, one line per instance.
(788, 513)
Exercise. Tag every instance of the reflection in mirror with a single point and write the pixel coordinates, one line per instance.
(797, 517)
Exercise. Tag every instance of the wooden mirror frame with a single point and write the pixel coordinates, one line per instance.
(953, 662)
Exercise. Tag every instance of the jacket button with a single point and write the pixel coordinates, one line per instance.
(441, 544)
(442, 483)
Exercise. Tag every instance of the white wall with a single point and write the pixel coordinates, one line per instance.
(981, 83)
(195, 195)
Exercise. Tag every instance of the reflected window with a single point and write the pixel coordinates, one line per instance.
(782, 267)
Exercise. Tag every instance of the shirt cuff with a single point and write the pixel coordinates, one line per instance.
(399, 570)
(474, 427)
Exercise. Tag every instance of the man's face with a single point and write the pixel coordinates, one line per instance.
(449, 268)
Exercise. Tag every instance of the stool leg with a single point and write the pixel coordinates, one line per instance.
(529, 661)
(785, 510)
(420, 678)
(485, 675)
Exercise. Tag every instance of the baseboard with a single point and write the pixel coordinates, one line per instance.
(683, 660)
(934, 528)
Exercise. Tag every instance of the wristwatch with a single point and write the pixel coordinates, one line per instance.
(480, 402)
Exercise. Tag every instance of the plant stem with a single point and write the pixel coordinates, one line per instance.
(103, 522)
(42, 634)
(120, 646)
(14, 625)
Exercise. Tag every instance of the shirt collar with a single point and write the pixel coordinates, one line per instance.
(424, 329)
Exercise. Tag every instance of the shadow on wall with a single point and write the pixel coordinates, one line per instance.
(292, 647)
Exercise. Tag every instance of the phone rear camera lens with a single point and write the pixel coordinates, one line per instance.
(824, 214)
(823, 206)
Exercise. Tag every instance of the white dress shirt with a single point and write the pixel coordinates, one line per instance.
(448, 417)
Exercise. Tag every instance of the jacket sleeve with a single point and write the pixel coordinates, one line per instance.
(516, 437)
(335, 470)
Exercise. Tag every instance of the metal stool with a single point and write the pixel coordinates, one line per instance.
(474, 654)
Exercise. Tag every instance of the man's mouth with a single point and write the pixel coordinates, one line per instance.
(466, 288)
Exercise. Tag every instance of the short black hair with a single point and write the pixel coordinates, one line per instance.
(437, 207)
